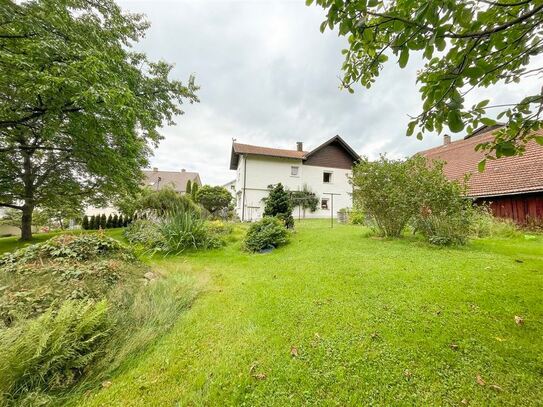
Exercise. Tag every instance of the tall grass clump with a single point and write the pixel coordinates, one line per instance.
(484, 224)
(51, 352)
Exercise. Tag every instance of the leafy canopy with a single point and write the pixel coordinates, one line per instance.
(213, 199)
(80, 109)
(466, 45)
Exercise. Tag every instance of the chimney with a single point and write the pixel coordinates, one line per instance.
(446, 139)
(183, 170)
(155, 169)
(299, 146)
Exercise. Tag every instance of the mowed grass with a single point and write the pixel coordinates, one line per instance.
(340, 318)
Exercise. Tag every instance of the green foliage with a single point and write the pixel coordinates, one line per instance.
(183, 230)
(157, 204)
(466, 45)
(103, 221)
(80, 107)
(357, 217)
(188, 188)
(85, 224)
(109, 222)
(145, 233)
(383, 190)
(305, 198)
(214, 199)
(269, 232)
(394, 193)
(279, 204)
(42, 275)
(52, 351)
(484, 224)
(194, 191)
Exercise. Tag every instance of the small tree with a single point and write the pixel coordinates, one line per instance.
(279, 204)
(214, 199)
(194, 191)
(85, 223)
(109, 222)
(92, 222)
(120, 221)
(305, 199)
(188, 187)
(115, 222)
(103, 221)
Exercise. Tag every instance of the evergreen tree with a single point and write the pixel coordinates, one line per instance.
(194, 191)
(120, 221)
(115, 222)
(103, 221)
(85, 223)
(109, 222)
(279, 204)
(188, 188)
(92, 222)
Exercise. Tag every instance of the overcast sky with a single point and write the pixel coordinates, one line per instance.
(269, 77)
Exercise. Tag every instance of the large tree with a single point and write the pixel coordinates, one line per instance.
(466, 45)
(79, 110)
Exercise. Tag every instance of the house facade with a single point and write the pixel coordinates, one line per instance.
(324, 170)
(511, 186)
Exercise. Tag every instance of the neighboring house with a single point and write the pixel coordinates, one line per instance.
(231, 187)
(325, 170)
(156, 180)
(513, 186)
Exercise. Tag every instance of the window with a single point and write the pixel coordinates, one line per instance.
(326, 177)
(324, 203)
(294, 171)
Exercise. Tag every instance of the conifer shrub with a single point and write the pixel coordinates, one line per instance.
(268, 233)
(85, 223)
(278, 203)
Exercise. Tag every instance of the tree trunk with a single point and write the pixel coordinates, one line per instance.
(28, 206)
(26, 223)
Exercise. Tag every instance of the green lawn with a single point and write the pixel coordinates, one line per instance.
(372, 322)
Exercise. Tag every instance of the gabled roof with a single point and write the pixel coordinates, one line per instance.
(238, 148)
(177, 179)
(504, 176)
(340, 141)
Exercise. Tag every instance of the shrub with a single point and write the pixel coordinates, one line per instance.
(52, 351)
(395, 193)
(85, 223)
(214, 199)
(357, 217)
(143, 232)
(484, 224)
(183, 230)
(43, 275)
(305, 199)
(103, 221)
(383, 190)
(267, 233)
(279, 204)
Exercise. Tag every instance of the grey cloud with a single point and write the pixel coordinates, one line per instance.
(269, 77)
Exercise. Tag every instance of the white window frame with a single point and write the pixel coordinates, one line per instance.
(294, 173)
(325, 201)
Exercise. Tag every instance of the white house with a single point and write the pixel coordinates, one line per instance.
(325, 170)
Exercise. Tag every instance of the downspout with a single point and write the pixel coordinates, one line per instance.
(244, 186)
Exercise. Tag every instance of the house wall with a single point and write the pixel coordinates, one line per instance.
(524, 209)
(264, 171)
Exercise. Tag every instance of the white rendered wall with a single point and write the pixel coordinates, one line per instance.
(264, 171)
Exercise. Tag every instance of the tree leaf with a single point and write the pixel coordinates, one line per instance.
(481, 166)
(455, 121)
(404, 57)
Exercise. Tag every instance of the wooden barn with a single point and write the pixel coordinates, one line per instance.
(512, 186)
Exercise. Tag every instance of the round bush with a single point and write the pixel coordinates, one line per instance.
(267, 233)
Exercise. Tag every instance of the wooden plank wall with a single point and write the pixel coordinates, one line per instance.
(523, 209)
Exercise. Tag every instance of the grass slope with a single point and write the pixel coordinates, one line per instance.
(372, 322)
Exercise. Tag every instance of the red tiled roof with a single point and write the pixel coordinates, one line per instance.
(504, 176)
(273, 152)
